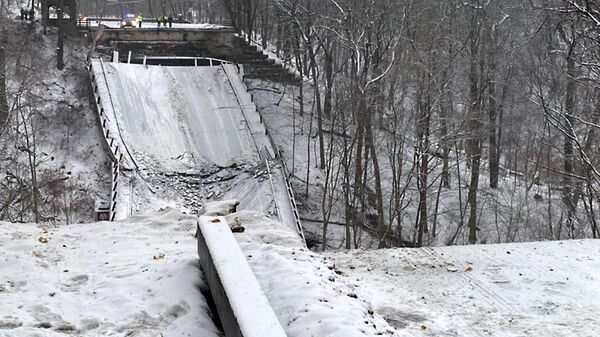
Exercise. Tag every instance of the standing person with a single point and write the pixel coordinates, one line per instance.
(170, 19)
(32, 15)
(140, 18)
(23, 14)
(164, 18)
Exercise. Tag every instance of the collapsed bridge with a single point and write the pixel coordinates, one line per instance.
(190, 133)
(162, 121)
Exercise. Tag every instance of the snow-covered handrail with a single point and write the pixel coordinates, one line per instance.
(210, 59)
(292, 199)
(243, 308)
(113, 147)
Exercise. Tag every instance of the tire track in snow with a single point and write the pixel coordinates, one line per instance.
(489, 296)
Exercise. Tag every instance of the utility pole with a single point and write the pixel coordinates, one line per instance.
(59, 49)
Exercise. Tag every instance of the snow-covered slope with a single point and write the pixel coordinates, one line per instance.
(133, 278)
(72, 170)
(523, 289)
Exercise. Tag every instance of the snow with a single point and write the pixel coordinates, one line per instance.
(73, 169)
(303, 290)
(533, 289)
(220, 208)
(136, 278)
(169, 112)
(140, 276)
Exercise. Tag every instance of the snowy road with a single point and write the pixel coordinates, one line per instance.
(524, 289)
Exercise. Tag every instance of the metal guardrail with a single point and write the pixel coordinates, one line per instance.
(114, 152)
(211, 60)
(292, 198)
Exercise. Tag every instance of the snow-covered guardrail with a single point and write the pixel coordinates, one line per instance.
(292, 199)
(242, 305)
(211, 60)
(113, 147)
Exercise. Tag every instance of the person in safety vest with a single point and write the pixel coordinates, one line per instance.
(140, 18)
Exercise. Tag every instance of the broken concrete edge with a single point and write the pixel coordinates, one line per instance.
(242, 306)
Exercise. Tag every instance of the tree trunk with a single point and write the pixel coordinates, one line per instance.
(3, 100)
(445, 111)
(472, 196)
(474, 123)
(313, 65)
(492, 129)
(59, 48)
(328, 64)
(568, 162)
(423, 126)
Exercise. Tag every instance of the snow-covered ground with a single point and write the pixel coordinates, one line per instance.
(139, 277)
(305, 292)
(523, 289)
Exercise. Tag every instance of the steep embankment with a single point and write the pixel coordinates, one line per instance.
(53, 162)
